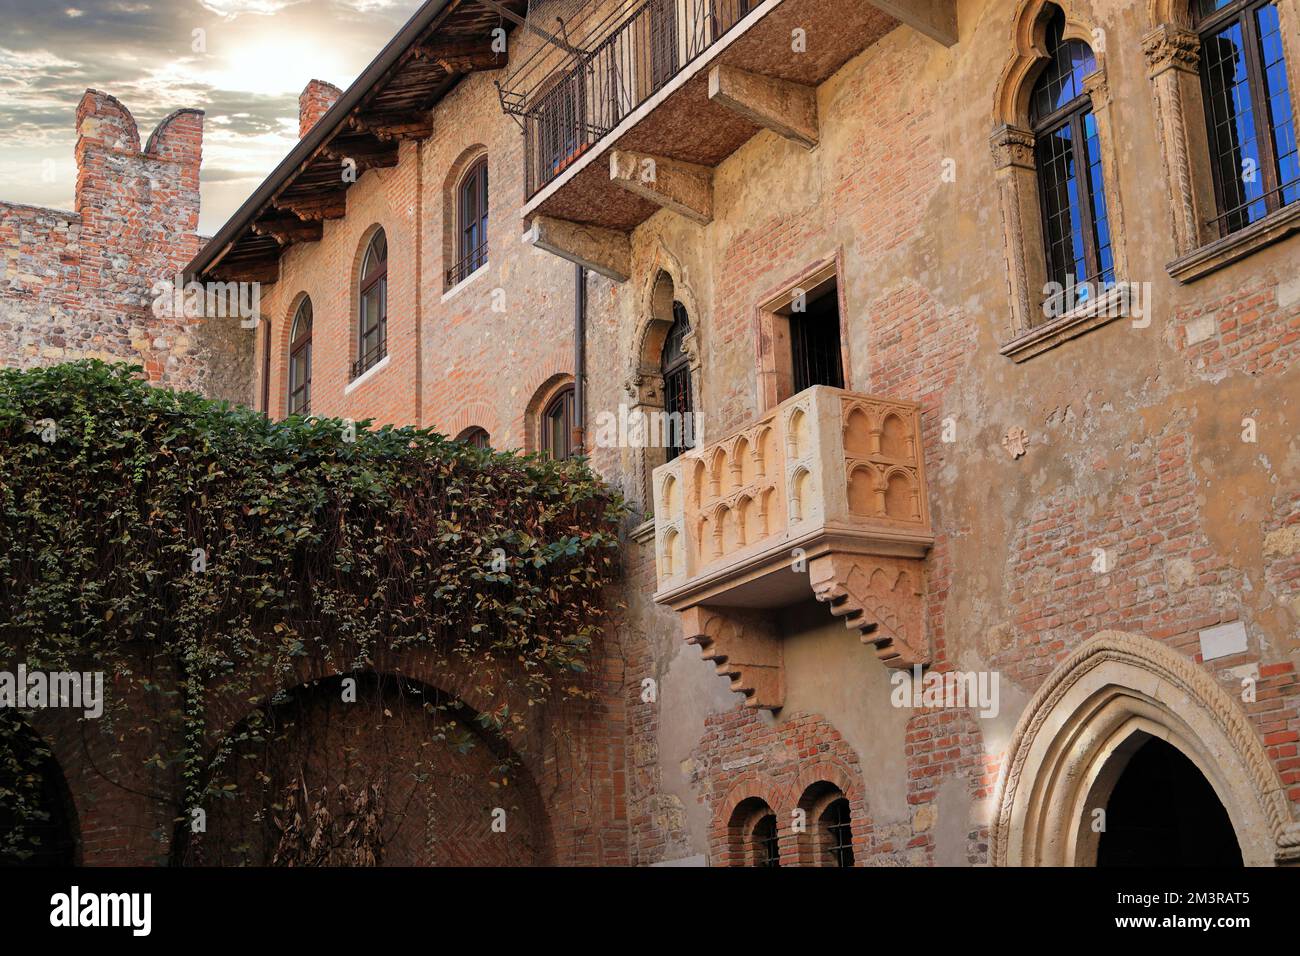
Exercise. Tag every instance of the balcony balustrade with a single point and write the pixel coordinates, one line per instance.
(827, 491)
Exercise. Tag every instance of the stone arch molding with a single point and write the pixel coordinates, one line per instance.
(1083, 722)
(1030, 32)
(654, 315)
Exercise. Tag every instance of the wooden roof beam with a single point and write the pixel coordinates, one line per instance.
(287, 230)
(395, 126)
(461, 56)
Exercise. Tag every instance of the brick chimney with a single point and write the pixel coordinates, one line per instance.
(314, 103)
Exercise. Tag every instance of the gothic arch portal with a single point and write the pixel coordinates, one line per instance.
(1073, 741)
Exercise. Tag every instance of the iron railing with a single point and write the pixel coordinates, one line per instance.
(574, 107)
(370, 359)
(467, 266)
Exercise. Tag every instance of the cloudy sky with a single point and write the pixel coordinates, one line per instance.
(259, 55)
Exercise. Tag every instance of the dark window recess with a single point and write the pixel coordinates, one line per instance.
(675, 365)
(1248, 112)
(372, 324)
(766, 849)
(476, 438)
(839, 833)
(815, 342)
(1076, 230)
(266, 368)
(300, 361)
(557, 426)
(472, 224)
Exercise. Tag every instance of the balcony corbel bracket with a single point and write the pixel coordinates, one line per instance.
(743, 647)
(684, 188)
(787, 109)
(879, 597)
(605, 251)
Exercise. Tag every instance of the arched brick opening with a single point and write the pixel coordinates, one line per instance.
(446, 792)
(56, 839)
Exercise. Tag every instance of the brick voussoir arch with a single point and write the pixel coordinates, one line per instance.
(784, 800)
(473, 414)
(1113, 686)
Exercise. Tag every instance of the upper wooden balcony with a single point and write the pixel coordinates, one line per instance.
(827, 491)
(637, 117)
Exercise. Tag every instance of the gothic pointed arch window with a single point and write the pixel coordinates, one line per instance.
(675, 365)
(1250, 124)
(372, 322)
(300, 360)
(1076, 228)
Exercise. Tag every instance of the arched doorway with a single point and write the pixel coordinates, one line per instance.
(48, 836)
(389, 772)
(1086, 725)
(1145, 827)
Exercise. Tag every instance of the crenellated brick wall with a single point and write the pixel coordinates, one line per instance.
(81, 284)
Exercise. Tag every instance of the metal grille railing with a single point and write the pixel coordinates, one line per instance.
(370, 359)
(574, 107)
(467, 266)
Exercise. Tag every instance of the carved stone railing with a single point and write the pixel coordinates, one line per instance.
(825, 491)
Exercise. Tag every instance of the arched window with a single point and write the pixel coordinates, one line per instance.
(471, 223)
(557, 425)
(300, 361)
(1251, 127)
(372, 324)
(475, 437)
(837, 828)
(766, 847)
(1076, 232)
(676, 369)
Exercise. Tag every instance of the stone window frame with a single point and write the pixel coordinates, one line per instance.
(775, 371)
(665, 284)
(293, 347)
(1016, 171)
(1172, 51)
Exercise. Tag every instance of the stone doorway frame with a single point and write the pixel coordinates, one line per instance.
(1075, 737)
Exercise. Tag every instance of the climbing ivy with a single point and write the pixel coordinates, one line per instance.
(197, 553)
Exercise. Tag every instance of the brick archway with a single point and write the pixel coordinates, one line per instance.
(447, 792)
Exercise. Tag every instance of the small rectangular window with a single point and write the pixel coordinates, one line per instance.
(815, 339)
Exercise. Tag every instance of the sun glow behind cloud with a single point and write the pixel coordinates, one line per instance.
(255, 58)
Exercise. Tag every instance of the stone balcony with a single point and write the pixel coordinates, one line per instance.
(825, 494)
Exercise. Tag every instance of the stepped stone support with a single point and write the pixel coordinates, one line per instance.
(786, 108)
(879, 597)
(744, 647)
(937, 19)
